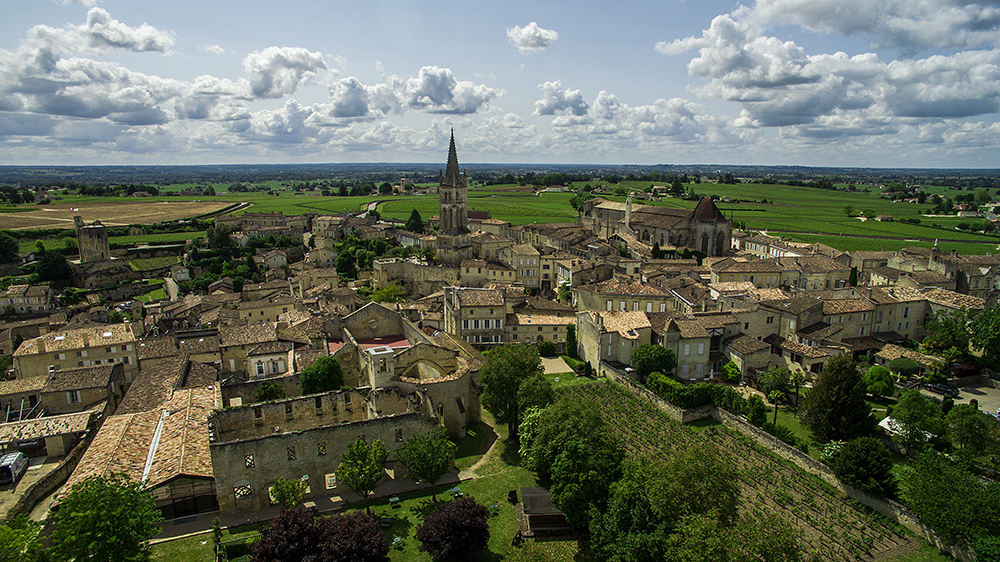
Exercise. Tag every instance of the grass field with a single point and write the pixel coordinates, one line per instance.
(799, 213)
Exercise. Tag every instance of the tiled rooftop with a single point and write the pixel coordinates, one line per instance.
(45, 427)
(98, 376)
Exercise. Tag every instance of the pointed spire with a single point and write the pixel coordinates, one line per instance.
(452, 175)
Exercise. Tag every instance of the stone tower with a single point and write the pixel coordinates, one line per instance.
(92, 240)
(454, 243)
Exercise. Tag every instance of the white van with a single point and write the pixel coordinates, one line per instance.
(12, 467)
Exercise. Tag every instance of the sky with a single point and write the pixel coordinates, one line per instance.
(852, 83)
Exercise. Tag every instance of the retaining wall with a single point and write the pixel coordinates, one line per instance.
(48, 483)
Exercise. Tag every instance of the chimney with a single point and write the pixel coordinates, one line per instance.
(41, 344)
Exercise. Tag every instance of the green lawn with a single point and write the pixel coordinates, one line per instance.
(559, 380)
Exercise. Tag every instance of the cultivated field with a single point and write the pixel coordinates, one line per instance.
(830, 526)
(111, 212)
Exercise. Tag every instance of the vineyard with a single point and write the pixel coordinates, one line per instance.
(832, 527)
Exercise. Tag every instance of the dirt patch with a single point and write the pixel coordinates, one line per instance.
(110, 214)
(553, 365)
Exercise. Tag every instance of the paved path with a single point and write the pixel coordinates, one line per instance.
(553, 365)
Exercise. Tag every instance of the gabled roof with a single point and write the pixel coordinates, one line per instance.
(707, 211)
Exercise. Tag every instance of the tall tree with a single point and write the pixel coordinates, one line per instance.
(415, 223)
(836, 407)
(914, 418)
(571, 340)
(289, 492)
(458, 531)
(879, 381)
(296, 535)
(427, 456)
(362, 467)
(506, 368)
(971, 431)
(986, 335)
(21, 540)
(106, 519)
(322, 376)
(9, 248)
(947, 329)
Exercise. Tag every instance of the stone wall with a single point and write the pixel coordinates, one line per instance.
(245, 390)
(51, 481)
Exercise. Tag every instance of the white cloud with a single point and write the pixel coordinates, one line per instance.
(214, 49)
(100, 33)
(87, 3)
(911, 24)
(276, 72)
(531, 37)
(556, 100)
(435, 90)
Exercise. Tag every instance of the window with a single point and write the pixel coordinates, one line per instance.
(291, 453)
(649, 307)
(399, 435)
(687, 349)
(331, 480)
(248, 461)
(770, 319)
(257, 413)
(663, 307)
(242, 489)
(635, 306)
(609, 308)
(685, 371)
(701, 349)
(73, 397)
(321, 448)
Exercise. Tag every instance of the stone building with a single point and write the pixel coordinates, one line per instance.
(92, 240)
(454, 242)
(83, 347)
(475, 315)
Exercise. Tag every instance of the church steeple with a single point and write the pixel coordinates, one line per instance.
(452, 174)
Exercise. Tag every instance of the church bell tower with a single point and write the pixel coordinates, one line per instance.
(454, 243)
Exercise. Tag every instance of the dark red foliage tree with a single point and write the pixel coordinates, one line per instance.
(297, 536)
(354, 537)
(458, 531)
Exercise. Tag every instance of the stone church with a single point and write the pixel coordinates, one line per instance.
(454, 242)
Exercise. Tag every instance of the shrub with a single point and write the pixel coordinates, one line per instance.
(458, 531)
(865, 464)
(546, 349)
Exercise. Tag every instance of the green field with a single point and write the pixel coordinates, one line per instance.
(798, 213)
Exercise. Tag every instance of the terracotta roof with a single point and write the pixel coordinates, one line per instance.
(688, 328)
(950, 299)
(94, 336)
(264, 303)
(734, 287)
(538, 320)
(22, 385)
(633, 288)
(803, 350)
(745, 345)
(50, 426)
(626, 323)
(61, 380)
(892, 351)
(247, 335)
(154, 385)
(479, 297)
(270, 348)
(125, 442)
(845, 306)
(820, 331)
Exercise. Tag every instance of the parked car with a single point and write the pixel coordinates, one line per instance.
(12, 467)
(942, 389)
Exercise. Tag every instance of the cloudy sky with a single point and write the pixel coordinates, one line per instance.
(886, 83)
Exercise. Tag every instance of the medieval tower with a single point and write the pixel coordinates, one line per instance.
(92, 240)
(453, 240)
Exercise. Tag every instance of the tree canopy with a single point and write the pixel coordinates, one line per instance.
(458, 531)
(913, 419)
(427, 456)
(651, 358)
(879, 381)
(986, 335)
(971, 431)
(836, 407)
(362, 467)
(322, 376)
(505, 370)
(865, 464)
(106, 519)
(415, 223)
(296, 535)
(289, 492)
(9, 248)
(947, 329)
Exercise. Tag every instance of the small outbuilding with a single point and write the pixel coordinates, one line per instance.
(538, 516)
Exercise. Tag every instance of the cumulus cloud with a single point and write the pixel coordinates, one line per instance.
(436, 90)
(276, 72)
(531, 37)
(99, 34)
(81, 2)
(911, 25)
(214, 49)
(556, 100)
(779, 85)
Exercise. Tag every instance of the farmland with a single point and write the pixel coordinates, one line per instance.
(829, 525)
(110, 211)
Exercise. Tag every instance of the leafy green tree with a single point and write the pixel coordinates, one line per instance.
(947, 329)
(458, 532)
(267, 391)
(987, 549)
(756, 410)
(415, 223)
(220, 236)
(289, 492)
(506, 368)
(53, 267)
(731, 371)
(701, 479)
(21, 540)
(836, 407)
(971, 431)
(986, 334)
(957, 505)
(362, 467)
(879, 381)
(576, 451)
(571, 343)
(324, 375)
(904, 366)
(797, 379)
(546, 348)
(427, 457)
(535, 392)
(775, 378)
(390, 293)
(656, 251)
(865, 464)
(9, 248)
(913, 418)
(848, 210)
(649, 358)
(106, 519)
(775, 397)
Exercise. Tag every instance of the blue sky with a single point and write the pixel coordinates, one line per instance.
(885, 83)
